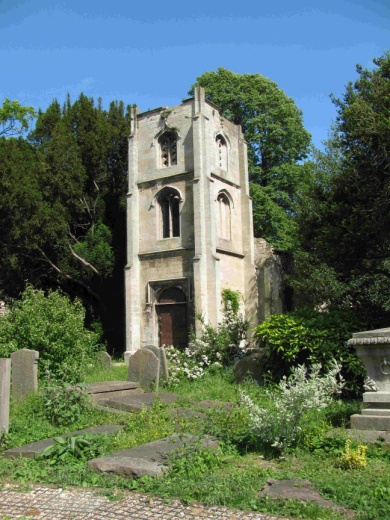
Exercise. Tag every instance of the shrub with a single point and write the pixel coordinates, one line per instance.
(54, 326)
(63, 404)
(310, 337)
(279, 427)
(353, 458)
(215, 348)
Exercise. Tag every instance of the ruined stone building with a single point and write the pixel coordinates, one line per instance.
(189, 225)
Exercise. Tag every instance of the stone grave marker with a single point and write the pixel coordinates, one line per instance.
(249, 366)
(160, 353)
(103, 360)
(24, 373)
(5, 384)
(144, 367)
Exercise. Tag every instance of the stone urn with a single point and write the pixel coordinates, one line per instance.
(373, 348)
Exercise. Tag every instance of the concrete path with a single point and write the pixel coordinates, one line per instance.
(49, 503)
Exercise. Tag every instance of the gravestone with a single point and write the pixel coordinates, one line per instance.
(103, 360)
(24, 373)
(249, 366)
(144, 367)
(160, 353)
(5, 383)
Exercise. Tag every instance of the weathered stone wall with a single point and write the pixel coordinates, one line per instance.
(269, 271)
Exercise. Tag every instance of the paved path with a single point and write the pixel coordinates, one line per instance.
(49, 503)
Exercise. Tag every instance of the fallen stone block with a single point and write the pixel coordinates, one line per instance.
(300, 489)
(148, 459)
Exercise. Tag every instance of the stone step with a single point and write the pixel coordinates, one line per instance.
(370, 422)
(34, 449)
(376, 411)
(109, 389)
(148, 459)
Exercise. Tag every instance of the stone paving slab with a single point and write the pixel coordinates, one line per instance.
(34, 449)
(48, 503)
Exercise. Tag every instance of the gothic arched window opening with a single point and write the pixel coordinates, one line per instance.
(169, 202)
(168, 149)
(222, 152)
(223, 216)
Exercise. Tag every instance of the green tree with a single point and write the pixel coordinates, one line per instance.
(63, 207)
(14, 117)
(345, 228)
(277, 142)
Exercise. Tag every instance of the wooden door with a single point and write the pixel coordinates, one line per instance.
(172, 318)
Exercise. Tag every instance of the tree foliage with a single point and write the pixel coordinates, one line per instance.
(14, 117)
(62, 206)
(345, 221)
(277, 142)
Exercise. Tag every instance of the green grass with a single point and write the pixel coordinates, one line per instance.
(232, 478)
(118, 372)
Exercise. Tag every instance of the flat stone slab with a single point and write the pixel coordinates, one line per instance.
(110, 386)
(149, 459)
(135, 403)
(109, 389)
(32, 450)
(300, 489)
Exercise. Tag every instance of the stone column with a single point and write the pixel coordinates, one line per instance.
(24, 373)
(5, 384)
(132, 269)
(373, 348)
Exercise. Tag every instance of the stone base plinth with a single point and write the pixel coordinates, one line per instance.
(369, 421)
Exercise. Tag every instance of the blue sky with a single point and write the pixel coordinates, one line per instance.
(150, 52)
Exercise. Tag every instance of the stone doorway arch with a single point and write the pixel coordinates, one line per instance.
(171, 310)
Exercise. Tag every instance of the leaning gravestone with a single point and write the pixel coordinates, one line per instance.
(160, 353)
(144, 367)
(5, 383)
(103, 360)
(24, 373)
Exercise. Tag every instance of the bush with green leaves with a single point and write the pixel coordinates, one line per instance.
(54, 326)
(63, 404)
(309, 337)
(278, 427)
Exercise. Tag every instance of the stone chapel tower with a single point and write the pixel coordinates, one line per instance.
(189, 222)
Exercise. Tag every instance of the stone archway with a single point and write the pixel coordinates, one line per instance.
(172, 318)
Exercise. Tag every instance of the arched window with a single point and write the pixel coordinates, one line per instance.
(223, 216)
(168, 149)
(222, 152)
(169, 203)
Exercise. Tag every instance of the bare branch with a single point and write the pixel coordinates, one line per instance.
(70, 278)
(83, 261)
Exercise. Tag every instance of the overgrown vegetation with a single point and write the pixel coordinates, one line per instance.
(55, 327)
(216, 347)
(310, 337)
(232, 476)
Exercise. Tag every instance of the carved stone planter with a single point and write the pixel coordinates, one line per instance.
(373, 348)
